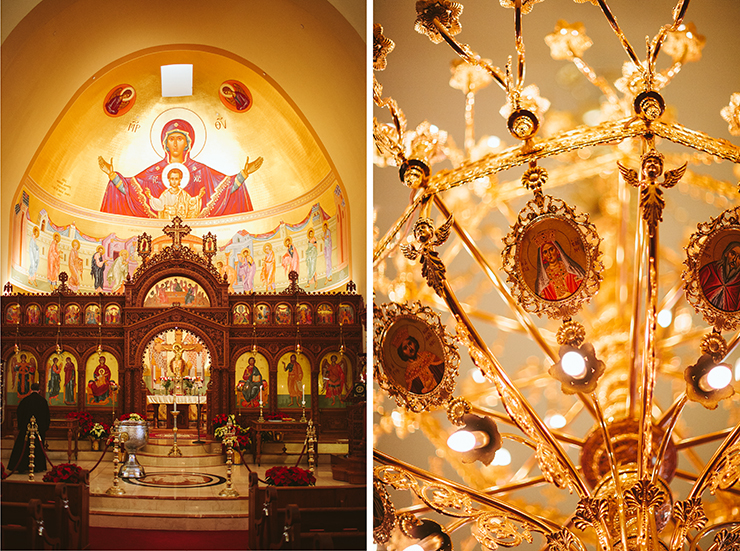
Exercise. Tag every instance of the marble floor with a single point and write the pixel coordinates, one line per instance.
(178, 493)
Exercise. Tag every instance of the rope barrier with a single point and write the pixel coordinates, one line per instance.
(43, 449)
(107, 445)
(302, 452)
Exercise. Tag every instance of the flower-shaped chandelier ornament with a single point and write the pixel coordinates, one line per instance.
(639, 381)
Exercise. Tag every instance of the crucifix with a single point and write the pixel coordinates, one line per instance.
(177, 365)
(176, 231)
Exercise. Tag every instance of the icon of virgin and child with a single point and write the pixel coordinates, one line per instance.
(177, 185)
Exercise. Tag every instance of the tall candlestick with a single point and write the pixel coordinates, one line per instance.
(303, 394)
(260, 394)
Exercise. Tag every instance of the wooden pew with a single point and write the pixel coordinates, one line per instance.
(24, 526)
(335, 513)
(75, 499)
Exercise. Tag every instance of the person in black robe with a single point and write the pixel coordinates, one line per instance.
(33, 405)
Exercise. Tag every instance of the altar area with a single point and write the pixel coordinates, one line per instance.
(293, 356)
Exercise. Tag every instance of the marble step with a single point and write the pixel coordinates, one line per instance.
(169, 513)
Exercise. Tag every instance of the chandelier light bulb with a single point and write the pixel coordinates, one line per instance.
(573, 364)
(478, 376)
(502, 458)
(665, 317)
(414, 547)
(556, 421)
(464, 440)
(716, 378)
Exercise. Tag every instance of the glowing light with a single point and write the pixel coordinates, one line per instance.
(718, 377)
(478, 376)
(397, 418)
(461, 441)
(493, 141)
(556, 421)
(573, 364)
(414, 547)
(502, 458)
(665, 317)
(433, 128)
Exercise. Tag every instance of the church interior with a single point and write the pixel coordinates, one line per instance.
(184, 275)
(555, 213)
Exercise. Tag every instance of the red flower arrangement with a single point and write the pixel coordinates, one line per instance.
(221, 420)
(85, 420)
(289, 476)
(64, 472)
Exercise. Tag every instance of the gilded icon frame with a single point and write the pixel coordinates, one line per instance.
(702, 251)
(436, 356)
(549, 226)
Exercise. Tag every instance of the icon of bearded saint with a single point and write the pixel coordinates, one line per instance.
(424, 370)
(720, 279)
(222, 194)
(558, 275)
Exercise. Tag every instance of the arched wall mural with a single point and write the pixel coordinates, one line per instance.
(123, 160)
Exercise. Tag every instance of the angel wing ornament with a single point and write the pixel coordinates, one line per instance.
(651, 196)
(432, 267)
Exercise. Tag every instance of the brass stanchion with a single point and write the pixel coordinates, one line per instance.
(175, 450)
(311, 436)
(115, 490)
(31, 437)
(229, 491)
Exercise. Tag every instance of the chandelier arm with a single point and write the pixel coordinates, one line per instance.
(464, 51)
(694, 139)
(469, 123)
(519, 44)
(593, 78)
(384, 247)
(514, 402)
(543, 525)
(639, 269)
(519, 439)
(675, 412)
(684, 475)
(623, 39)
(703, 479)
(703, 439)
(622, 509)
(578, 138)
(502, 290)
(508, 488)
(649, 359)
(670, 414)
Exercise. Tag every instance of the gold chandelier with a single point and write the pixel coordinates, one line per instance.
(553, 370)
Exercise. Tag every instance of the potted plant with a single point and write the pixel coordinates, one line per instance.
(97, 433)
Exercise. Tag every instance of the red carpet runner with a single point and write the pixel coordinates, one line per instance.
(122, 538)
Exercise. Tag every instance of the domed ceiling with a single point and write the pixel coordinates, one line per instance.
(249, 165)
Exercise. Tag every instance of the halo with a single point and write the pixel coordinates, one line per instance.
(199, 127)
(185, 175)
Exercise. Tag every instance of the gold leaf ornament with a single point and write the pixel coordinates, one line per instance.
(447, 13)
